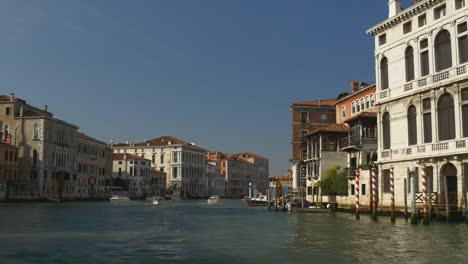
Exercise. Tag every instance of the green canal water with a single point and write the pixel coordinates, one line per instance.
(193, 232)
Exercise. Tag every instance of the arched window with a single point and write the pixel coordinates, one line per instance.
(6, 131)
(372, 101)
(354, 107)
(386, 130)
(362, 104)
(446, 117)
(412, 126)
(34, 159)
(343, 112)
(409, 63)
(367, 102)
(443, 51)
(36, 131)
(384, 73)
(358, 106)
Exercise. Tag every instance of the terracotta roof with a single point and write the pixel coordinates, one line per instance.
(250, 155)
(160, 141)
(281, 178)
(120, 156)
(83, 135)
(325, 102)
(363, 89)
(362, 115)
(332, 128)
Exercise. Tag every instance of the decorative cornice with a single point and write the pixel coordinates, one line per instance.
(403, 16)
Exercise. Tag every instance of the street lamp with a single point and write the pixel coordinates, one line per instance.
(412, 169)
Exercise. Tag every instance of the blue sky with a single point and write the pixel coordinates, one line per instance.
(218, 73)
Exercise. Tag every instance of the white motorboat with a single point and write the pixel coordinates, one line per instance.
(155, 202)
(54, 200)
(119, 199)
(214, 199)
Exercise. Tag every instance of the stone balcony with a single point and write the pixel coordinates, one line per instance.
(450, 147)
(445, 77)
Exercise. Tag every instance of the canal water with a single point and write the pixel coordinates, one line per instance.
(194, 232)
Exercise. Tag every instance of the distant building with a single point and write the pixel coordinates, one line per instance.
(306, 117)
(133, 174)
(8, 169)
(183, 162)
(48, 152)
(94, 179)
(216, 182)
(242, 172)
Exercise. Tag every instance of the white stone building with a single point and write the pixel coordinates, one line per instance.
(421, 58)
(183, 162)
(133, 174)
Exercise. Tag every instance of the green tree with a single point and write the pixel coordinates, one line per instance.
(336, 183)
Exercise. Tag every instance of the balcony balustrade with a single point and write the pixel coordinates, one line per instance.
(357, 141)
(425, 83)
(451, 147)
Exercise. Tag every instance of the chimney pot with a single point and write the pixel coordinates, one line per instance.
(354, 86)
(394, 7)
(46, 108)
(21, 111)
(12, 97)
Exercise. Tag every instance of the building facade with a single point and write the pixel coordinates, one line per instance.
(306, 117)
(132, 174)
(48, 151)
(94, 177)
(183, 162)
(216, 182)
(8, 169)
(324, 153)
(421, 58)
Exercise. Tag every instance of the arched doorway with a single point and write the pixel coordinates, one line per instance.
(450, 184)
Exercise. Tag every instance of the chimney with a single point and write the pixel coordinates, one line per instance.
(417, 1)
(21, 111)
(46, 108)
(394, 7)
(12, 97)
(354, 86)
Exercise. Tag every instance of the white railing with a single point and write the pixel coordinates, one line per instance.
(455, 146)
(427, 82)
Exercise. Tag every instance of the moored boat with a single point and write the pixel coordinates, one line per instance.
(214, 199)
(119, 199)
(260, 200)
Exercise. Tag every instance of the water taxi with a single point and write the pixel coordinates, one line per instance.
(119, 199)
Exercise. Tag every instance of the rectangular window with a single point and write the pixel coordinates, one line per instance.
(303, 134)
(407, 27)
(7, 111)
(430, 178)
(462, 42)
(353, 189)
(304, 154)
(459, 4)
(382, 39)
(427, 121)
(440, 12)
(304, 117)
(422, 20)
(386, 181)
(363, 189)
(425, 63)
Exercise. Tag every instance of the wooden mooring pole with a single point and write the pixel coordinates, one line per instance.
(447, 209)
(406, 198)
(356, 173)
(425, 202)
(392, 193)
(269, 198)
(374, 193)
(276, 198)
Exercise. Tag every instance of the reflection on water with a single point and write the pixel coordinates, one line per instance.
(193, 232)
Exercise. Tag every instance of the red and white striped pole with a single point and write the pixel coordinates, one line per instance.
(424, 189)
(356, 173)
(392, 195)
(374, 192)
